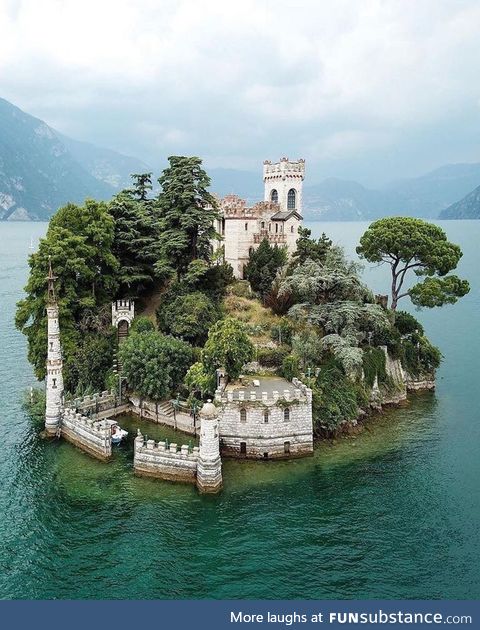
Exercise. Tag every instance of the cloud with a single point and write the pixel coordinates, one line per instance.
(349, 86)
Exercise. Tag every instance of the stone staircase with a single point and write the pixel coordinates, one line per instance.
(166, 408)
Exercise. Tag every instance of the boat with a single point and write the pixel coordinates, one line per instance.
(117, 433)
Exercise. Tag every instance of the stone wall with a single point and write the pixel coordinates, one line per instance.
(162, 413)
(155, 459)
(92, 436)
(102, 405)
(272, 426)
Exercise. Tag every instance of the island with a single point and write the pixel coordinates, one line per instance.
(224, 320)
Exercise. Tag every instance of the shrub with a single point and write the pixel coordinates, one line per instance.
(155, 364)
(282, 332)
(290, 367)
(189, 317)
(142, 324)
(228, 346)
(374, 365)
(407, 324)
(241, 288)
(272, 357)
(421, 357)
(335, 398)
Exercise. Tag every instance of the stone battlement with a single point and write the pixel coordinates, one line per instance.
(284, 168)
(170, 462)
(300, 393)
(92, 436)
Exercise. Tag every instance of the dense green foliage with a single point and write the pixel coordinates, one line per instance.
(135, 242)
(263, 265)
(79, 241)
(374, 365)
(309, 249)
(155, 364)
(188, 316)
(407, 244)
(272, 357)
(228, 346)
(187, 214)
(335, 398)
(142, 324)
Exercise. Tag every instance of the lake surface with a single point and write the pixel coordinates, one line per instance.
(393, 513)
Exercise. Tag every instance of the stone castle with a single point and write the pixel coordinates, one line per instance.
(255, 418)
(276, 218)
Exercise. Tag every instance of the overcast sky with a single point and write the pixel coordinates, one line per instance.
(371, 90)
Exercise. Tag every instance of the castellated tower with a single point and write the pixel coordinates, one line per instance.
(54, 378)
(209, 467)
(283, 183)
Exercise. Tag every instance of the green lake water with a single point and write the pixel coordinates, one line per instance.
(392, 513)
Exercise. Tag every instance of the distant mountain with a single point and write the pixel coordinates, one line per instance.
(426, 196)
(344, 200)
(41, 170)
(106, 165)
(430, 194)
(466, 208)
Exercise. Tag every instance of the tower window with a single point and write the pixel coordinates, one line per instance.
(54, 386)
(243, 415)
(292, 229)
(286, 414)
(263, 225)
(291, 199)
(276, 228)
(274, 196)
(265, 416)
(246, 226)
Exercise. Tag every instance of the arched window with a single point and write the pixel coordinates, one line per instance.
(291, 199)
(292, 229)
(286, 414)
(246, 226)
(265, 416)
(243, 415)
(274, 196)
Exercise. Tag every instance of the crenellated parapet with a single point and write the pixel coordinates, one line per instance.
(91, 435)
(271, 419)
(123, 310)
(165, 461)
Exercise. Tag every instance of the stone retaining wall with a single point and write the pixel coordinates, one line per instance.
(154, 459)
(153, 412)
(86, 433)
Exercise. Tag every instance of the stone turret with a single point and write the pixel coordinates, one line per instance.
(283, 183)
(209, 468)
(54, 378)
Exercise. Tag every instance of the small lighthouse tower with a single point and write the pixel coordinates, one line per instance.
(209, 467)
(54, 379)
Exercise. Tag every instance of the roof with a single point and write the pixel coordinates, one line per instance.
(284, 216)
(267, 384)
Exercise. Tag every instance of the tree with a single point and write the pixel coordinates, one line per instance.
(408, 244)
(142, 184)
(263, 265)
(198, 381)
(188, 316)
(228, 346)
(187, 212)
(155, 364)
(135, 242)
(79, 241)
(336, 278)
(309, 249)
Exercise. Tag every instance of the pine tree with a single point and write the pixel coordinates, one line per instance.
(188, 212)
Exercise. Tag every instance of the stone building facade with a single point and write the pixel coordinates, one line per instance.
(268, 419)
(277, 218)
